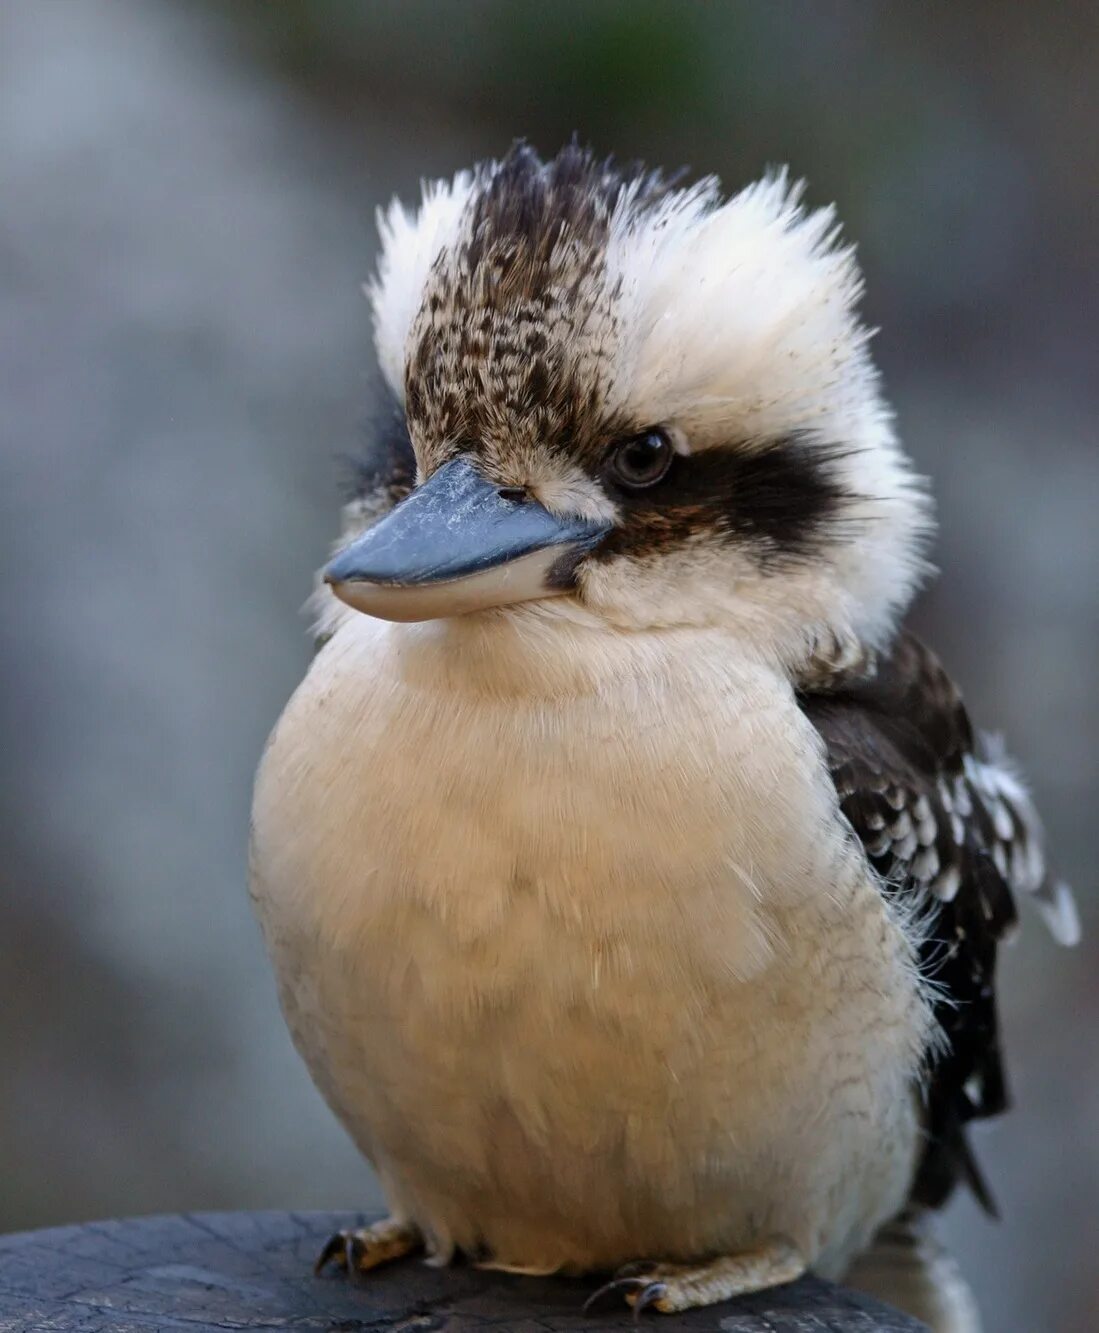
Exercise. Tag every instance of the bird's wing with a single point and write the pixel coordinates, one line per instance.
(379, 475)
(953, 836)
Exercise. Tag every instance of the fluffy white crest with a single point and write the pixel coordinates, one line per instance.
(411, 242)
(739, 317)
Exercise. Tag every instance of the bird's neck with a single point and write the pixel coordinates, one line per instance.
(552, 649)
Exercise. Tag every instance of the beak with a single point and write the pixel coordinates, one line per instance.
(458, 544)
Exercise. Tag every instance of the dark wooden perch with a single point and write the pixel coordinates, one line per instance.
(228, 1271)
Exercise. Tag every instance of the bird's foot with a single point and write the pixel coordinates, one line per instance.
(359, 1250)
(671, 1287)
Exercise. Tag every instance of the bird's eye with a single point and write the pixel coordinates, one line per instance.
(642, 460)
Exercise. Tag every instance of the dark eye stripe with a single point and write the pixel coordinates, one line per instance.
(783, 499)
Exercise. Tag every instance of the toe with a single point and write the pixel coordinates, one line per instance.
(354, 1253)
(334, 1248)
(630, 1288)
(653, 1294)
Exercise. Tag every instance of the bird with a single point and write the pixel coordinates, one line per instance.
(632, 876)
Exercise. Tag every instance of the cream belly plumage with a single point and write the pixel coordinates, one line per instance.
(570, 935)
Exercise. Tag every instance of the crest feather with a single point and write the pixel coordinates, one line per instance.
(740, 316)
(411, 242)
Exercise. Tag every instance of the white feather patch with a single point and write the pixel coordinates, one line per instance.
(411, 242)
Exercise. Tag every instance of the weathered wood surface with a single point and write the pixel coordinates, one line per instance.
(253, 1271)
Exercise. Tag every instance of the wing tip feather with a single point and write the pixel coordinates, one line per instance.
(1058, 908)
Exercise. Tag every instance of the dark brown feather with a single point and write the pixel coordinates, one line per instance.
(946, 828)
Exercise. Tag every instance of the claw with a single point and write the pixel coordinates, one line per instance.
(651, 1294)
(336, 1244)
(668, 1286)
(358, 1250)
(353, 1251)
(618, 1285)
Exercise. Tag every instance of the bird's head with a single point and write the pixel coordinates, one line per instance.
(657, 403)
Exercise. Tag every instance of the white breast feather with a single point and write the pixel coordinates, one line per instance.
(575, 946)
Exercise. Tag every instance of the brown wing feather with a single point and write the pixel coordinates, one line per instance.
(944, 825)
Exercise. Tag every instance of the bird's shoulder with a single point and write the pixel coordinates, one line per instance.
(952, 836)
(939, 808)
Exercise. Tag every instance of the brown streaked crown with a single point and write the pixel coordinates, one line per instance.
(513, 341)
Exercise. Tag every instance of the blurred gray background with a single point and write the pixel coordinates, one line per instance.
(186, 213)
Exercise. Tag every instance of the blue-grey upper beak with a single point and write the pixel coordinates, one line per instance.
(458, 544)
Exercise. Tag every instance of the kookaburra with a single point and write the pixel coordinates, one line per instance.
(633, 880)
